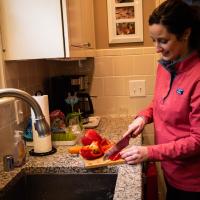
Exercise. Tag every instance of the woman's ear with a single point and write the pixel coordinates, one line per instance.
(186, 34)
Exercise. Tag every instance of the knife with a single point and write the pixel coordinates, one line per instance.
(121, 144)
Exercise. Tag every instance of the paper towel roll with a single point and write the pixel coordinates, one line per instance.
(41, 144)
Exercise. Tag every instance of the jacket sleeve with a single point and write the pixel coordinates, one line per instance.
(147, 113)
(184, 147)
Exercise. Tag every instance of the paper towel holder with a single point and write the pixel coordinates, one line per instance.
(39, 93)
(32, 153)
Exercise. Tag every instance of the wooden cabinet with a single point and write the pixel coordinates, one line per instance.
(80, 23)
(36, 29)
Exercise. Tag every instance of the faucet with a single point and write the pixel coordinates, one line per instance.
(40, 124)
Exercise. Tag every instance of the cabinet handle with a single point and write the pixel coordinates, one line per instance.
(84, 45)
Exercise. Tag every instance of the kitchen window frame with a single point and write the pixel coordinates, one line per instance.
(136, 20)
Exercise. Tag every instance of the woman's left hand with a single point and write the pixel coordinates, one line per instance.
(135, 154)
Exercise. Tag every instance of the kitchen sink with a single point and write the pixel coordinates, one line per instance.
(95, 186)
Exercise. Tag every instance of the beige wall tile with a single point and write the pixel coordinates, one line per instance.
(114, 86)
(121, 105)
(109, 52)
(150, 84)
(123, 65)
(132, 51)
(144, 65)
(136, 104)
(104, 105)
(97, 87)
(141, 103)
(125, 51)
(131, 106)
(103, 67)
(127, 79)
(148, 50)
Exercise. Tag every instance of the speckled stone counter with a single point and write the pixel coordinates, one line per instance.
(129, 180)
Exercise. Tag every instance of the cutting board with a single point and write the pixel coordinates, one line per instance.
(99, 162)
(93, 122)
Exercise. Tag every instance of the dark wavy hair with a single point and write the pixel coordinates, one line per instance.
(177, 16)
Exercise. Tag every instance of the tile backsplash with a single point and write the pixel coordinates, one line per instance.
(109, 74)
(112, 72)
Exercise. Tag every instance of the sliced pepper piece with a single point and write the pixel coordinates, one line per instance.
(105, 145)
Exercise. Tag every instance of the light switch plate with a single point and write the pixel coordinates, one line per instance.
(137, 88)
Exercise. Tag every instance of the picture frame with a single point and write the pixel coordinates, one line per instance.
(125, 21)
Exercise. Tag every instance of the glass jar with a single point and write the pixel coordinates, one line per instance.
(75, 125)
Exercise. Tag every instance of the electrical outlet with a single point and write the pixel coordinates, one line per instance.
(19, 111)
(137, 88)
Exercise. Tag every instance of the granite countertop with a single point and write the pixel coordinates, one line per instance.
(129, 180)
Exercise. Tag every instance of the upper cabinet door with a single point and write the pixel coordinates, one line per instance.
(88, 27)
(35, 29)
(81, 29)
(31, 29)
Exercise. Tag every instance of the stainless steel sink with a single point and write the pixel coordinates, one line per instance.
(95, 186)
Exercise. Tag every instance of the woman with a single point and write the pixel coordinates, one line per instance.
(175, 109)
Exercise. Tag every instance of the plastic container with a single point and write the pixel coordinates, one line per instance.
(64, 138)
(19, 149)
(75, 126)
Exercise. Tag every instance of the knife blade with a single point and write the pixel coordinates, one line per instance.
(121, 144)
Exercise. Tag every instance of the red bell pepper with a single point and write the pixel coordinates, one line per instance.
(90, 136)
(92, 151)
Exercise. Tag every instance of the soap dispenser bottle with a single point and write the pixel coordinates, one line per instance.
(19, 149)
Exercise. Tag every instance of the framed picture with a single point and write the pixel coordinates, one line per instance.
(125, 21)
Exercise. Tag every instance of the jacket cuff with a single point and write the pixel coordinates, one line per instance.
(150, 153)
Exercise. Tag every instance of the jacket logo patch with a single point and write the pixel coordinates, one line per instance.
(179, 91)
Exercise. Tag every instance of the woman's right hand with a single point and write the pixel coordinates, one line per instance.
(136, 127)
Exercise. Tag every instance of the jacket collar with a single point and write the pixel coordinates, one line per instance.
(180, 65)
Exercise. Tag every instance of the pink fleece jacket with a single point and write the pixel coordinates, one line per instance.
(175, 111)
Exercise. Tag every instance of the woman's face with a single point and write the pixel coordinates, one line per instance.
(167, 44)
